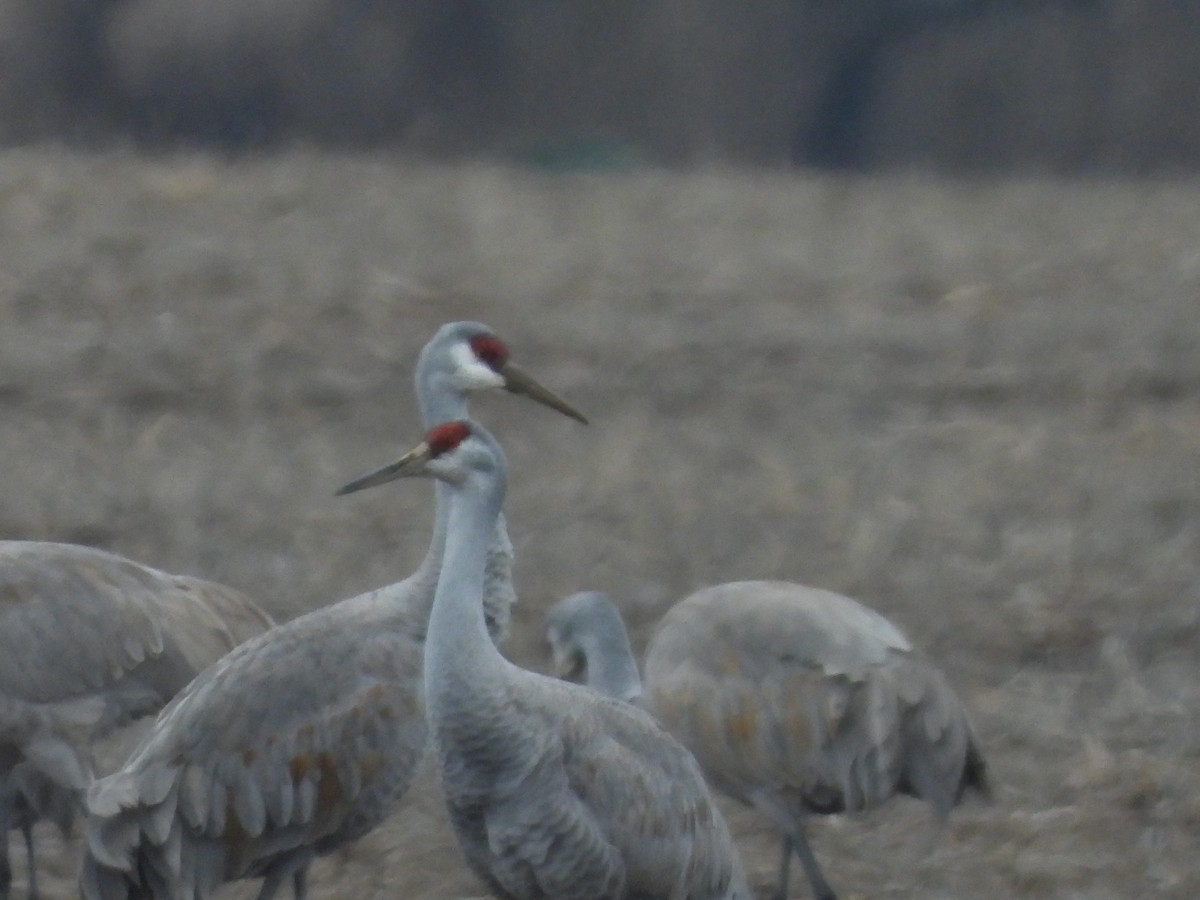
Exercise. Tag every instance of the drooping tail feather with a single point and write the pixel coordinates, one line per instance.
(943, 758)
(140, 844)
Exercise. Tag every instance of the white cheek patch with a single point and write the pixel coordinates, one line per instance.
(469, 373)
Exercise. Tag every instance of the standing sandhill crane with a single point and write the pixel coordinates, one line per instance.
(796, 701)
(553, 790)
(304, 739)
(89, 641)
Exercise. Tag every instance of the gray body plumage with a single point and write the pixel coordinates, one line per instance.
(296, 743)
(554, 790)
(304, 739)
(88, 642)
(799, 701)
(812, 692)
(570, 794)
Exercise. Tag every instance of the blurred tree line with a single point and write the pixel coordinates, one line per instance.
(1057, 85)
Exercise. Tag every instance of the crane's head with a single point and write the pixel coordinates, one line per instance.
(464, 357)
(452, 452)
(567, 624)
(589, 643)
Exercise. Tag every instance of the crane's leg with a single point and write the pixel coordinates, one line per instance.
(785, 865)
(297, 867)
(7, 799)
(270, 885)
(820, 887)
(27, 831)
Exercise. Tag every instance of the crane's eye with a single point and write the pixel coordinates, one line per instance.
(490, 350)
(446, 437)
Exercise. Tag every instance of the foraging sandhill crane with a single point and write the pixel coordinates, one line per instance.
(88, 642)
(796, 701)
(553, 790)
(588, 638)
(306, 738)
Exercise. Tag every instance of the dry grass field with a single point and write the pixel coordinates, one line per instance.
(974, 406)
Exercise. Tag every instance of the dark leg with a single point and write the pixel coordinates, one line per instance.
(785, 866)
(298, 869)
(7, 799)
(5, 871)
(27, 830)
(270, 885)
(820, 887)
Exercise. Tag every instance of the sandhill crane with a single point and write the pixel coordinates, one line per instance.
(304, 739)
(588, 637)
(553, 790)
(89, 641)
(796, 701)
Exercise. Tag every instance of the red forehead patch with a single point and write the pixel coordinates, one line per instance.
(445, 437)
(491, 350)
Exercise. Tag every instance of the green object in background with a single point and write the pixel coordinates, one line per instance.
(582, 155)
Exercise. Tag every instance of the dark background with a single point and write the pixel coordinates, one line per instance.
(1045, 85)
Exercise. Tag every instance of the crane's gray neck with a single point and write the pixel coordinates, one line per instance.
(611, 667)
(424, 579)
(498, 592)
(460, 658)
(440, 401)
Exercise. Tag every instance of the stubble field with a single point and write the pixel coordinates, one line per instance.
(973, 406)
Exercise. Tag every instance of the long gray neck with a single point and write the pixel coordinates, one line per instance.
(439, 402)
(423, 580)
(460, 659)
(439, 399)
(611, 667)
(499, 595)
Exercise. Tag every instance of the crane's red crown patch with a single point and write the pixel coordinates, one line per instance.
(491, 350)
(447, 436)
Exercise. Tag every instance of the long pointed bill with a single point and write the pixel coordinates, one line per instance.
(517, 381)
(410, 464)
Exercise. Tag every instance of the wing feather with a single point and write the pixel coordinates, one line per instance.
(248, 803)
(782, 687)
(556, 849)
(609, 806)
(75, 620)
(194, 797)
(274, 748)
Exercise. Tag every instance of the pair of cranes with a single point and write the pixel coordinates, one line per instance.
(305, 737)
(89, 640)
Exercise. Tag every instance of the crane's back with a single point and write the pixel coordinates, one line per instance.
(808, 695)
(75, 620)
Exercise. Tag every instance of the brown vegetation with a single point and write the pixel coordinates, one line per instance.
(974, 406)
